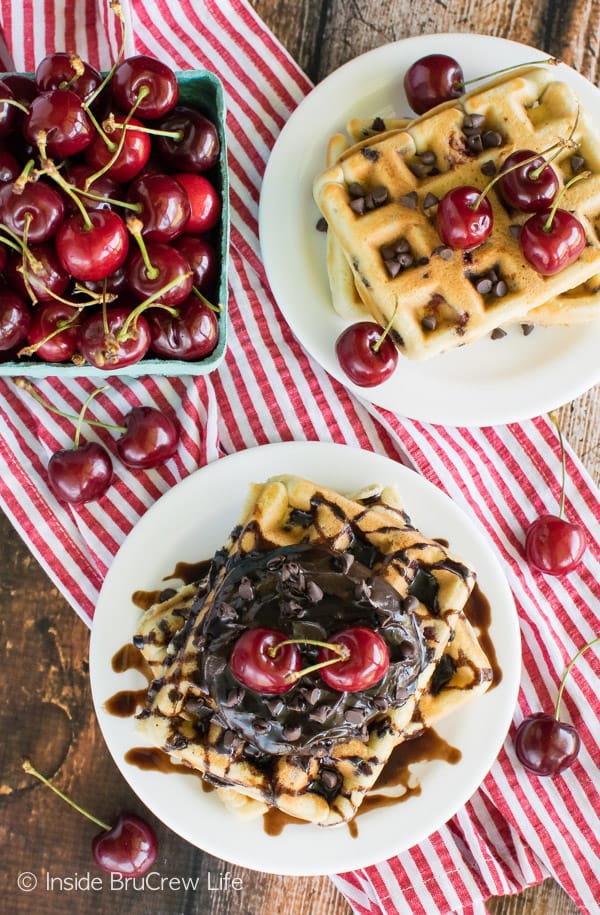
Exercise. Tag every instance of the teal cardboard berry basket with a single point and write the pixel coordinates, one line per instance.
(202, 90)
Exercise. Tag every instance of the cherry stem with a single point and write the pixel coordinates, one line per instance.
(119, 147)
(42, 778)
(563, 461)
(377, 346)
(109, 143)
(80, 418)
(536, 172)
(78, 70)
(342, 652)
(116, 9)
(136, 227)
(52, 171)
(547, 227)
(24, 177)
(216, 308)
(110, 125)
(134, 207)
(506, 171)
(26, 385)
(15, 103)
(460, 84)
(567, 670)
(152, 300)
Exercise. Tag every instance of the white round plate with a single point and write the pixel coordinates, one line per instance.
(193, 520)
(487, 383)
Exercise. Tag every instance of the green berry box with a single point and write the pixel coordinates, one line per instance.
(202, 90)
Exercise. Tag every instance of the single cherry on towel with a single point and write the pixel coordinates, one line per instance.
(129, 847)
(366, 354)
(544, 744)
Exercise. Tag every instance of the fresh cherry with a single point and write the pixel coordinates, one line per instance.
(365, 354)
(198, 148)
(15, 319)
(129, 847)
(58, 123)
(256, 666)
(81, 474)
(35, 209)
(98, 193)
(367, 662)
(67, 71)
(163, 206)
(166, 266)
(151, 438)
(54, 332)
(92, 248)
(202, 258)
(111, 339)
(192, 333)
(38, 275)
(9, 166)
(552, 240)
(158, 80)
(432, 80)
(464, 217)
(554, 546)
(531, 187)
(205, 203)
(544, 744)
(131, 158)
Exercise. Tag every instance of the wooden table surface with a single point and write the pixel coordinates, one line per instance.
(46, 708)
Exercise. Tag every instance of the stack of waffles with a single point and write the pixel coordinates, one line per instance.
(379, 195)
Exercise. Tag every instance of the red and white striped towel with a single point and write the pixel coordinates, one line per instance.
(517, 829)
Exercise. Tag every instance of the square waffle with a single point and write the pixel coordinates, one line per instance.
(431, 297)
(318, 780)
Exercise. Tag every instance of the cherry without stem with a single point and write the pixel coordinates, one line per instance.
(192, 333)
(150, 438)
(365, 357)
(15, 319)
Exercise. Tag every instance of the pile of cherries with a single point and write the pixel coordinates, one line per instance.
(550, 239)
(109, 213)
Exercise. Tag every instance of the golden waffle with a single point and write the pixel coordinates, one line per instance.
(320, 783)
(434, 300)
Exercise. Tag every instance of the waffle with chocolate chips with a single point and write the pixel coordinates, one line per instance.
(379, 200)
(307, 561)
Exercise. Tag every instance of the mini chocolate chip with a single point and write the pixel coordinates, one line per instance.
(291, 731)
(261, 725)
(527, 329)
(500, 289)
(491, 138)
(427, 157)
(371, 154)
(443, 251)
(355, 715)
(417, 169)
(175, 694)
(409, 200)
(245, 589)
(498, 333)
(275, 706)
(393, 268)
(311, 695)
(380, 195)
(378, 124)
(473, 120)
(369, 202)
(355, 189)
(577, 163)
(227, 612)
(381, 703)
(515, 231)
(410, 604)
(139, 641)
(320, 713)
(178, 742)
(430, 201)
(402, 246)
(428, 322)
(475, 143)
(483, 286)
(330, 779)
(388, 252)
(321, 225)
(422, 261)
(342, 562)
(234, 697)
(405, 260)
(313, 592)
(488, 169)
(493, 276)
(358, 206)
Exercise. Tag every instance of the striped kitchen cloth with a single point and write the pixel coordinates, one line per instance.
(516, 830)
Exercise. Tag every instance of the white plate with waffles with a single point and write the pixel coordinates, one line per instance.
(219, 491)
(488, 382)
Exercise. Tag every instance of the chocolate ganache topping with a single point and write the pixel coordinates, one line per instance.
(311, 592)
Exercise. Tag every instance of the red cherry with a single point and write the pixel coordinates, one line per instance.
(103, 187)
(254, 667)
(191, 334)
(199, 146)
(164, 206)
(554, 546)
(131, 159)
(129, 848)
(15, 319)
(169, 264)
(366, 665)
(151, 438)
(45, 335)
(48, 280)
(202, 259)
(545, 745)
(9, 166)
(528, 188)
(79, 475)
(204, 201)
(94, 252)
(155, 77)
(364, 357)
(57, 71)
(58, 115)
(551, 240)
(37, 208)
(432, 80)
(464, 219)
(104, 344)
